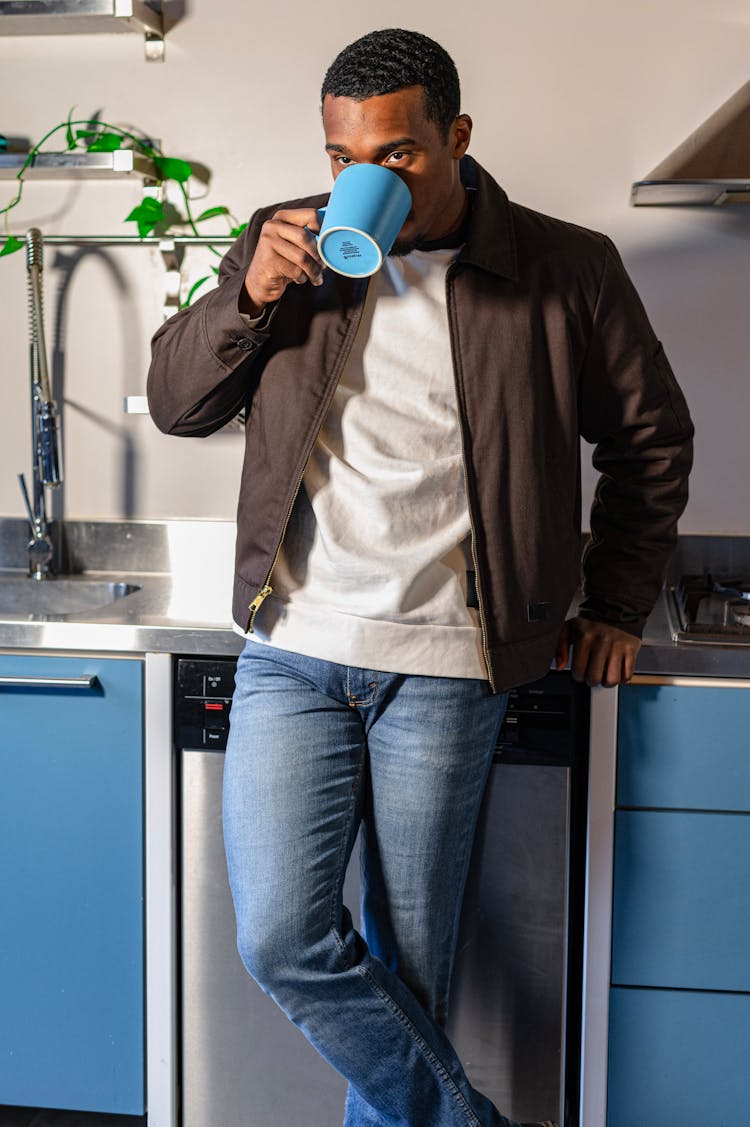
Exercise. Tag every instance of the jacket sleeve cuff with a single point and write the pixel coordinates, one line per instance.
(230, 338)
(598, 610)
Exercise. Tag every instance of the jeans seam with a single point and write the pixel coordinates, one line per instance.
(425, 1049)
(374, 689)
(339, 939)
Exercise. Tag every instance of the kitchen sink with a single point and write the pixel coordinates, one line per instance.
(21, 596)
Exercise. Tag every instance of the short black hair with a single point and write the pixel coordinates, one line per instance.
(388, 60)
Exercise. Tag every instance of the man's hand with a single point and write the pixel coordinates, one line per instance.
(286, 252)
(602, 654)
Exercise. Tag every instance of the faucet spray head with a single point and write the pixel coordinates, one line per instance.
(34, 249)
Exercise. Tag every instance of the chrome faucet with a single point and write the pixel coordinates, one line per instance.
(46, 470)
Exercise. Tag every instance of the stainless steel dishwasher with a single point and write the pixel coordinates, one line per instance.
(515, 1016)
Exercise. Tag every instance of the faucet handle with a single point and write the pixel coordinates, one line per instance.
(27, 502)
(40, 547)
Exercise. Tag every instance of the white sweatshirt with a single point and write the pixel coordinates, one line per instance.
(372, 572)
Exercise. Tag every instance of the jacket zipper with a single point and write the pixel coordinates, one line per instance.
(257, 603)
(267, 589)
(459, 402)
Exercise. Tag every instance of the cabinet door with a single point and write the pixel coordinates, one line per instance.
(678, 1058)
(681, 900)
(684, 747)
(71, 883)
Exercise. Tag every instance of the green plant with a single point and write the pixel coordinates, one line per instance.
(158, 216)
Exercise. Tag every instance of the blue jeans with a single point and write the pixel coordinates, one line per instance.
(314, 750)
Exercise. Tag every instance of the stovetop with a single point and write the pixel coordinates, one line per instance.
(712, 609)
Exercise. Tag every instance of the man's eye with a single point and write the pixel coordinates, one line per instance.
(398, 155)
(343, 160)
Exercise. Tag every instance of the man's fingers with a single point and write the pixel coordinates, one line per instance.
(602, 654)
(295, 246)
(297, 217)
(581, 649)
(562, 650)
(286, 252)
(628, 663)
(613, 670)
(294, 263)
(303, 237)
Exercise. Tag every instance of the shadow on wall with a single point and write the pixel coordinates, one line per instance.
(690, 268)
(695, 283)
(66, 265)
(173, 11)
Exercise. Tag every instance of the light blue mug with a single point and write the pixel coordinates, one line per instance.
(367, 209)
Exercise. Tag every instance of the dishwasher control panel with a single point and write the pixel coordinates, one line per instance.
(203, 694)
(546, 721)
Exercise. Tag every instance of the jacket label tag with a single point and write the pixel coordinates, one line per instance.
(538, 612)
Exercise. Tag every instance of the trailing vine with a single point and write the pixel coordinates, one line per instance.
(151, 216)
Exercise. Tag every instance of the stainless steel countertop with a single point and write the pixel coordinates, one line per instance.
(661, 656)
(147, 621)
(183, 570)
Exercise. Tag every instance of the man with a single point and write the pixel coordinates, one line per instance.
(408, 546)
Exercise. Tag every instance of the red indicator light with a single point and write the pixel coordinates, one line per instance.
(214, 707)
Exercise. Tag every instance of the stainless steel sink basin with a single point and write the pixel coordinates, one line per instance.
(22, 597)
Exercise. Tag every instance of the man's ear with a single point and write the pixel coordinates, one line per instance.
(460, 135)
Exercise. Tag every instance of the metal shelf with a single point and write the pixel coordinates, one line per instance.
(83, 17)
(689, 193)
(79, 165)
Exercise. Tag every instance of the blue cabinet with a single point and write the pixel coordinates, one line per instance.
(71, 883)
(679, 1030)
(681, 900)
(677, 1058)
(684, 747)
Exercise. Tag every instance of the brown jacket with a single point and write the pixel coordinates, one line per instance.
(550, 343)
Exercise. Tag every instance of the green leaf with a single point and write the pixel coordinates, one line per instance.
(148, 206)
(237, 230)
(70, 140)
(11, 245)
(212, 211)
(81, 134)
(147, 215)
(171, 168)
(195, 286)
(106, 143)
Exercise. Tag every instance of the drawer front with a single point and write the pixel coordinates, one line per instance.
(681, 900)
(684, 747)
(677, 1057)
(71, 874)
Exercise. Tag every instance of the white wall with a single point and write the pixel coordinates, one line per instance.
(571, 103)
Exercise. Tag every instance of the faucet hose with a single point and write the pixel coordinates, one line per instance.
(34, 268)
(45, 411)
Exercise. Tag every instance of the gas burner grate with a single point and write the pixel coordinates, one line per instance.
(713, 609)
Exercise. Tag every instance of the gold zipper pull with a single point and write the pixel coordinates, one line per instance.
(256, 604)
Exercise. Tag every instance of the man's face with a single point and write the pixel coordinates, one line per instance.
(392, 130)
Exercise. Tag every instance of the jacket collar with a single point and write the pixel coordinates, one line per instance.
(491, 243)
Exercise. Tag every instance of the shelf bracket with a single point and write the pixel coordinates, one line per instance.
(154, 46)
(172, 255)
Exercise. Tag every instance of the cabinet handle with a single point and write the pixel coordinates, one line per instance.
(85, 683)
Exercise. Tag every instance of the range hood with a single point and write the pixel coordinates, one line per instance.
(710, 168)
